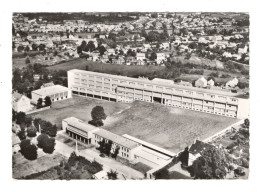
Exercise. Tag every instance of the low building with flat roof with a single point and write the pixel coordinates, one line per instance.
(79, 129)
(55, 92)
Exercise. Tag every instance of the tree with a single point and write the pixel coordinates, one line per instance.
(246, 123)
(90, 46)
(108, 147)
(79, 49)
(98, 114)
(112, 175)
(153, 56)
(28, 150)
(47, 101)
(212, 164)
(46, 143)
(31, 131)
(101, 147)
(39, 103)
(184, 156)
(27, 60)
(162, 174)
(114, 155)
(21, 134)
(20, 118)
(13, 115)
(102, 50)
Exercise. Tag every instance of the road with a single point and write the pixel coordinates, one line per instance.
(107, 163)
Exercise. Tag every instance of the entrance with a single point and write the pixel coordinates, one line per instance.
(158, 100)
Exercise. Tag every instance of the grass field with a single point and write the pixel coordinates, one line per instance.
(79, 107)
(169, 128)
(23, 167)
(126, 70)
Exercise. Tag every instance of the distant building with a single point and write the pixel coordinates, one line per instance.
(21, 103)
(55, 92)
(47, 85)
(211, 82)
(232, 83)
(140, 56)
(201, 82)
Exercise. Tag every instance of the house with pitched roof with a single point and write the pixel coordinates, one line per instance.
(21, 103)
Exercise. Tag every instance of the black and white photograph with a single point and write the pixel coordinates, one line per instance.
(130, 95)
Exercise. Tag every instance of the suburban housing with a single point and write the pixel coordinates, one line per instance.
(21, 103)
(126, 89)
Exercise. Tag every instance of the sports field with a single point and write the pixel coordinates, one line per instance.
(169, 128)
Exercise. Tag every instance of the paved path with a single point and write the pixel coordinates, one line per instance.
(107, 163)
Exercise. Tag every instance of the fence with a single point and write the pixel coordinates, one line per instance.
(37, 110)
(223, 132)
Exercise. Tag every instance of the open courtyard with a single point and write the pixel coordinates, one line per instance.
(170, 128)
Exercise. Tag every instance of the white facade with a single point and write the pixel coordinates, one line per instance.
(56, 93)
(126, 89)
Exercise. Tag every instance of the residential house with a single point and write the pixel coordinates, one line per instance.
(21, 103)
(160, 58)
(232, 83)
(201, 82)
(140, 56)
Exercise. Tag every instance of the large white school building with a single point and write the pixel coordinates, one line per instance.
(126, 89)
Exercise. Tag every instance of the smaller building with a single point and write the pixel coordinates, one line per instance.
(55, 92)
(201, 82)
(79, 129)
(21, 103)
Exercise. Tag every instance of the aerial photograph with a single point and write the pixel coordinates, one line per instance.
(130, 95)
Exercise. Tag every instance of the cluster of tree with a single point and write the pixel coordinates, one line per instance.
(23, 80)
(131, 53)
(162, 174)
(45, 126)
(212, 164)
(46, 143)
(153, 36)
(91, 18)
(242, 85)
(242, 22)
(43, 103)
(105, 147)
(98, 115)
(28, 150)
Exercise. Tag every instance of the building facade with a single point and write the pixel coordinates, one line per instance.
(126, 89)
(55, 92)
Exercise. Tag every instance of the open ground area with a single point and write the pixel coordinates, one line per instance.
(24, 168)
(169, 128)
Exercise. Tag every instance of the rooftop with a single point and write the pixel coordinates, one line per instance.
(217, 92)
(50, 90)
(117, 138)
(17, 96)
(79, 124)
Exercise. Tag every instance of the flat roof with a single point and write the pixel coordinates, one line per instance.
(50, 90)
(116, 138)
(79, 124)
(163, 151)
(218, 92)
